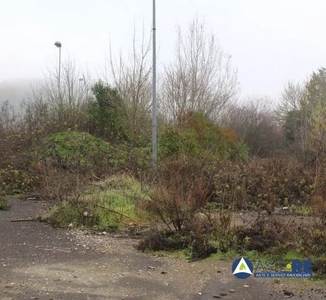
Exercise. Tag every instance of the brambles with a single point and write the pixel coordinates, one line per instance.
(263, 184)
(266, 234)
(16, 181)
(197, 203)
(180, 193)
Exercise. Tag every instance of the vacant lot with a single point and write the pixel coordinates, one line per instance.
(41, 262)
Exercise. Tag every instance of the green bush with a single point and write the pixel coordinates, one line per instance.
(105, 113)
(17, 180)
(199, 137)
(79, 151)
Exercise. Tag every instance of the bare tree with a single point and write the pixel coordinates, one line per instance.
(291, 100)
(67, 106)
(201, 76)
(8, 118)
(132, 79)
(75, 86)
(293, 113)
(256, 125)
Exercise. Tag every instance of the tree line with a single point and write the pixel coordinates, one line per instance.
(198, 107)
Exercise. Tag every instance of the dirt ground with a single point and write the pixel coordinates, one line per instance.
(41, 262)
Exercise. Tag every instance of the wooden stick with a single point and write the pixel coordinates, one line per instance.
(25, 220)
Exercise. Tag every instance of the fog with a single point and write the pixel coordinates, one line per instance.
(15, 91)
(270, 42)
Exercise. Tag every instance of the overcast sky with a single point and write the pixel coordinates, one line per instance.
(270, 41)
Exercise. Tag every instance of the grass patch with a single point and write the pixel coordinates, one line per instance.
(113, 203)
(183, 254)
(64, 214)
(301, 210)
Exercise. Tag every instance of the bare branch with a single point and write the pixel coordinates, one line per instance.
(200, 78)
(132, 78)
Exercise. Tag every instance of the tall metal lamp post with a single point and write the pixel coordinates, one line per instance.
(154, 121)
(59, 45)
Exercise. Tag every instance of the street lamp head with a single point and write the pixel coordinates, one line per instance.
(58, 44)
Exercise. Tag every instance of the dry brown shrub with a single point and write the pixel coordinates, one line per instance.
(60, 185)
(180, 194)
(263, 184)
(181, 190)
(318, 204)
(265, 234)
